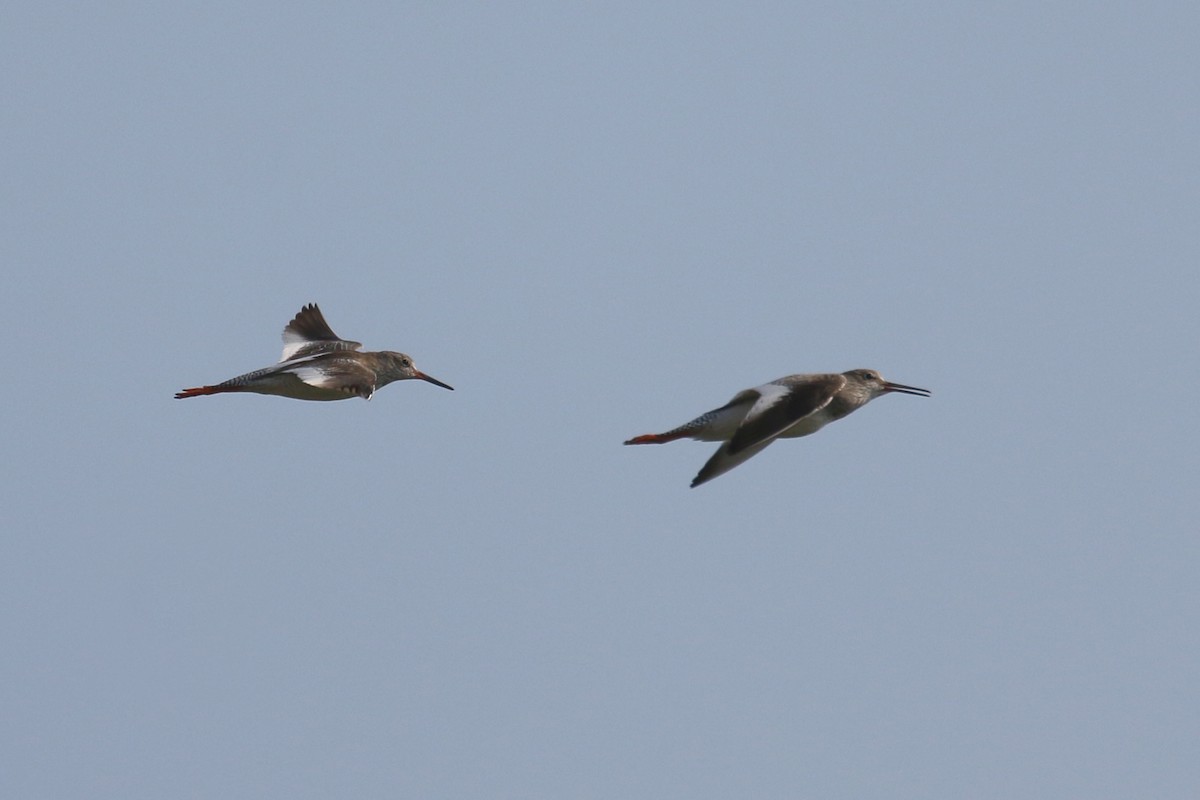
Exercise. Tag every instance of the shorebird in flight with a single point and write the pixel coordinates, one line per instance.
(783, 409)
(318, 365)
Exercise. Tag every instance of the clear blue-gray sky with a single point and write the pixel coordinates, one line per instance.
(597, 221)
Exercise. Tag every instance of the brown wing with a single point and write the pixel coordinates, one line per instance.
(309, 334)
(726, 459)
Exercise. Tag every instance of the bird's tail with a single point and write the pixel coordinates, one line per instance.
(201, 390)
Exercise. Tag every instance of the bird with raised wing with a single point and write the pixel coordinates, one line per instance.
(796, 405)
(317, 364)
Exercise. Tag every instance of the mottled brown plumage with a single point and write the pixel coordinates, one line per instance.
(317, 364)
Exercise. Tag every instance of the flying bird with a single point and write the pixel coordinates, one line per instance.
(793, 406)
(319, 365)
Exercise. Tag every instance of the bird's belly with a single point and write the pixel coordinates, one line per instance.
(287, 385)
(810, 424)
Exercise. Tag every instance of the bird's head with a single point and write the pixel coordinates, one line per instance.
(399, 367)
(875, 385)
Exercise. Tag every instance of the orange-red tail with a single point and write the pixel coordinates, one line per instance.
(653, 438)
(199, 390)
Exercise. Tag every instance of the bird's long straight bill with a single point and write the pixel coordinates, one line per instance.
(900, 387)
(434, 381)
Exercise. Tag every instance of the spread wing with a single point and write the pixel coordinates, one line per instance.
(309, 334)
(725, 459)
(780, 406)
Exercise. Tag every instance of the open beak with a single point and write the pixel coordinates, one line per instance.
(434, 381)
(888, 386)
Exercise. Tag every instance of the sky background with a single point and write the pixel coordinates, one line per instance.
(597, 221)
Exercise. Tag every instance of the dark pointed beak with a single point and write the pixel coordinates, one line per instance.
(434, 381)
(888, 386)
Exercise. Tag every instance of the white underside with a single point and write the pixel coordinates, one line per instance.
(810, 424)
